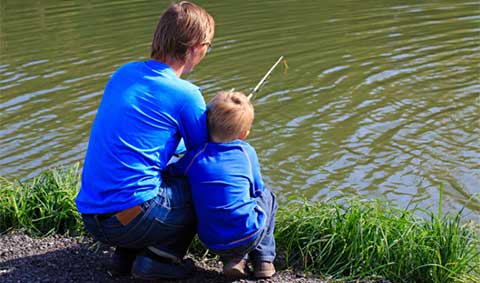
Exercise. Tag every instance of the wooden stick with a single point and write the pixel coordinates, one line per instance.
(262, 81)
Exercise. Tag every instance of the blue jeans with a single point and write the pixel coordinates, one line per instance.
(166, 222)
(263, 247)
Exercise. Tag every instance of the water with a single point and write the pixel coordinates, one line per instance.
(380, 98)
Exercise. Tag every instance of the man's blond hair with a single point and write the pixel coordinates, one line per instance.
(181, 26)
(229, 116)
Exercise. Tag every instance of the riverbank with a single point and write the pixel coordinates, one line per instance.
(345, 239)
(59, 258)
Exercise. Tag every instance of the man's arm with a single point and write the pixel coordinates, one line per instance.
(193, 122)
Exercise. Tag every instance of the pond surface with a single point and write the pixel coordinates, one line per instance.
(380, 98)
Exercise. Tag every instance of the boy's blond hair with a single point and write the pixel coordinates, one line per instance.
(229, 116)
(182, 26)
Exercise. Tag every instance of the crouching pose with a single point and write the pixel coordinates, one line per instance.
(145, 112)
(235, 211)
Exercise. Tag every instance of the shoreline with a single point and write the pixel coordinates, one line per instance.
(60, 258)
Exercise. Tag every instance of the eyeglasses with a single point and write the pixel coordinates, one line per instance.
(210, 46)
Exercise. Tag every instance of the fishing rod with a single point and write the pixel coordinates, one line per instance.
(262, 81)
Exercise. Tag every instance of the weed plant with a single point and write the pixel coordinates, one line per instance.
(347, 239)
(359, 239)
(43, 205)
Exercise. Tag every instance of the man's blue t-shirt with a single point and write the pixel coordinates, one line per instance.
(225, 179)
(145, 111)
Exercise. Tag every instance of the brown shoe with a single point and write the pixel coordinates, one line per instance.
(235, 268)
(264, 269)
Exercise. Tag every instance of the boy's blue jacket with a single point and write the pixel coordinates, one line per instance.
(225, 179)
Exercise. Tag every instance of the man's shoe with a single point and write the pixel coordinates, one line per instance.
(121, 262)
(235, 268)
(264, 269)
(149, 268)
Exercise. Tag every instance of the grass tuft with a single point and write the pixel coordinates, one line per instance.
(357, 239)
(43, 205)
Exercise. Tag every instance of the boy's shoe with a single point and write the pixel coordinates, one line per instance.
(121, 262)
(264, 269)
(235, 267)
(149, 268)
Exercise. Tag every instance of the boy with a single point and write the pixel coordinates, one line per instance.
(235, 211)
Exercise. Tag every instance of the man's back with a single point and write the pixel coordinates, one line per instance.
(135, 132)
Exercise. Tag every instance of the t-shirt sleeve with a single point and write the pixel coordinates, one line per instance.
(193, 121)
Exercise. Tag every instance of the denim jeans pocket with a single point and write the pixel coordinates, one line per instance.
(167, 221)
(134, 237)
(159, 224)
(132, 233)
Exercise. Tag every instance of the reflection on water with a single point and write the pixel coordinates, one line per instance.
(380, 99)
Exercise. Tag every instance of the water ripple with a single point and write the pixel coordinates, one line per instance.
(379, 99)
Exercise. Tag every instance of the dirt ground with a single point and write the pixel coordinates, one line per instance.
(78, 259)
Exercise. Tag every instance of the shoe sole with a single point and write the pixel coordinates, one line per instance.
(264, 274)
(235, 273)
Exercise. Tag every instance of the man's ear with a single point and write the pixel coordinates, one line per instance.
(190, 52)
(194, 49)
(244, 134)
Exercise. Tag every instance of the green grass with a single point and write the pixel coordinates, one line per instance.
(358, 239)
(346, 239)
(43, 205)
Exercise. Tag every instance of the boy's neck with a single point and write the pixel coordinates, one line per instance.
(218, 140)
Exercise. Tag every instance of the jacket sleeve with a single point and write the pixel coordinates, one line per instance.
(258, 184)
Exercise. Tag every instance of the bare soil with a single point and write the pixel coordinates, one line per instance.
(79, 259)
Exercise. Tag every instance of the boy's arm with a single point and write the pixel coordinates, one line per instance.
(178, 168)
(258, 184)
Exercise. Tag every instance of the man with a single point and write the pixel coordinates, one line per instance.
(146, 110)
